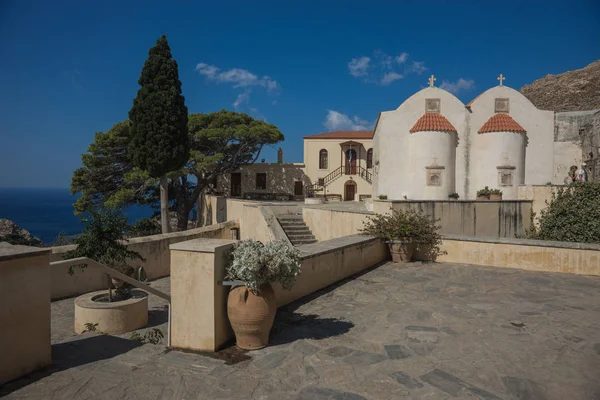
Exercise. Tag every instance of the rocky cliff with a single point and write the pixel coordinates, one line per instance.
(576, 90)
(13, 234)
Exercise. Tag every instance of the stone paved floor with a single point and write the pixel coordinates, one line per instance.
(424, 331)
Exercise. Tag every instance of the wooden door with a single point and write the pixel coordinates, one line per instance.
(350, 162)
(298, 188)
(236, 184)
(350, 191)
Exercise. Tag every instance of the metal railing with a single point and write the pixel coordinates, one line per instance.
(336, 173)
(116, 274)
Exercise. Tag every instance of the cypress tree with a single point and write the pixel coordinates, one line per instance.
(159, 121)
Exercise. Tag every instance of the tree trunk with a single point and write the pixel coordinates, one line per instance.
(182, 218)
(164, 204)
(200, 209)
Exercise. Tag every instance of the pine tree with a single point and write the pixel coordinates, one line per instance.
(159, 121)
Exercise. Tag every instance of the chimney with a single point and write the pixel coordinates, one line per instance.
(280, 156)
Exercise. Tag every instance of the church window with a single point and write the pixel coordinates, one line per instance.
(323, 159)
(261, 181)
(432, 106)
(501, 106)
(370, 158)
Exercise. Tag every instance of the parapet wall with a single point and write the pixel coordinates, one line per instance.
(155, 250)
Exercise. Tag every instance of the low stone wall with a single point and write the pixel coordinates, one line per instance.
(218, 209)
(534, 255)
(506, 218)
(199, 302)
(24, 311)
(155, 250)
(330, 224)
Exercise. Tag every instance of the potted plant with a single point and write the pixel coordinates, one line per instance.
(453, 196)
(483, 194)
(103, 240)
(404, 231)
(251, 306)
(495, 194)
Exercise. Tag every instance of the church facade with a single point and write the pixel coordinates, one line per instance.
(433, 145)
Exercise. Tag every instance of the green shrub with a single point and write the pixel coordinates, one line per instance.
(144, 227)
(382, 197)
(573, 215)
(453, 196)
(407, 225)
(483, 192)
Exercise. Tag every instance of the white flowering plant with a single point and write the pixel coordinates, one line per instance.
(256, 264)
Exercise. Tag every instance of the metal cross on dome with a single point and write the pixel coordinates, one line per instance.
(432, 79)
(501, 78)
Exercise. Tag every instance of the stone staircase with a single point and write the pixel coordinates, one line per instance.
(296, 230)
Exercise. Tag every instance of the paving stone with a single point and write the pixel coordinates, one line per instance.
(338, 351)
(522, 389)
(406, 380)
(270, 361)
(397, 351)
(454, 386)
(364, 358)
(306, 348)
(318, 393)
(597, 348)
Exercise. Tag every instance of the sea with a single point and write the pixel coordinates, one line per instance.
(47, 212)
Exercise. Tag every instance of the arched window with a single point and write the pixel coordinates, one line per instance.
(370, 158)
(323, 159)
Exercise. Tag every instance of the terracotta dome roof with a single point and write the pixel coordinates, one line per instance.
(432, 122)
(501, 123)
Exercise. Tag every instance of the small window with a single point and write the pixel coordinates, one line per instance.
(370, 158)
(323, 159)
(261, 181)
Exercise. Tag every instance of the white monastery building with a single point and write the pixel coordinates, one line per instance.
(431, 146)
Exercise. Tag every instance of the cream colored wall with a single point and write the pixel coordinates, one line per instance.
(155, 249)
(399, 167)
(327, 224)
(540, 196)
(281, 178)
(312, 147)
(539, 125)
(565, 155)
(488, 153)
(529, 257)
(24, 314)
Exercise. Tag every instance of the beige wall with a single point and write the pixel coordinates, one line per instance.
(24, 312)
(574, 258)
(312, 147)
(281, 178)
(155, 249)
(539, 195)
(327, 224)
(199, 302)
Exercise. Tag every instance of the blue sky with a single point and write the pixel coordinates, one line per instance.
(70, 68)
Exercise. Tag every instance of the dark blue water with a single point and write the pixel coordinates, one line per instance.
(47, 212)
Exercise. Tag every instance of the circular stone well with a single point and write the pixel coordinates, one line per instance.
(314, 200)
(115, 317)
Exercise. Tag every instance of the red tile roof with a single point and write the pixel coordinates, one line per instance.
(432, 122)
(501, 123)
(343, 135)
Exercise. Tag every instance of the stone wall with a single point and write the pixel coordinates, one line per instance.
(568, 141)
(533, 255)
(155, 250)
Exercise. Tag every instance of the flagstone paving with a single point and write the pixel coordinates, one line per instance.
(422, 331)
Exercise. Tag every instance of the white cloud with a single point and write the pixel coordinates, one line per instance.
(401, 59)
(383, 69)
(458, 86)
(238, 78)
(418, 67)
(336, 121)
(359, 66)
(390, 77)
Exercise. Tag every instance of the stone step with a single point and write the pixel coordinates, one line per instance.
(291, 223)
(297, 230)
(301, 242)
(300, 237)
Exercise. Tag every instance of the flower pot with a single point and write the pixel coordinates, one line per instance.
(495, 197)
(483, 198)
(251, 315)
(401, 251)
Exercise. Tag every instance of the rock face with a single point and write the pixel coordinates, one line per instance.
(576, 90)
(13, 234)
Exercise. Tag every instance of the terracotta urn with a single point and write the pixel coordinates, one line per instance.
(495, 197)
(483, 198)
(251, 315)
(401, 251)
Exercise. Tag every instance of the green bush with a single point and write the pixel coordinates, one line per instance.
(573, 215)
(483, 192)
(144, 227)
(409, 226)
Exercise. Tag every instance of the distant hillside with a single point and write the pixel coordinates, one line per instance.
(576, 90)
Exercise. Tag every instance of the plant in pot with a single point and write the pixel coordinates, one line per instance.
(251, 306)
(453, 196)
(495, 194)
(483, 194)
(404, 231)
(103, 240)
